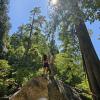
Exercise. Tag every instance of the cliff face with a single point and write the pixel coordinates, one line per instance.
(42, 89)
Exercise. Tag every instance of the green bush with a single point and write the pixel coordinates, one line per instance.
(23, 74)
(68, 69)
(6, 80)
(84, 86)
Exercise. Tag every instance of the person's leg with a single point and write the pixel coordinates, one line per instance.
(47, 70)
(47, 73)
(43, 70)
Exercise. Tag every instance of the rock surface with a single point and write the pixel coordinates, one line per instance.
(36, 89)
(40, 88)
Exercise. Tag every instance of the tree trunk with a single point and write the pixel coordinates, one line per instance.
(90, 58)
(3, 24)
(29, 39)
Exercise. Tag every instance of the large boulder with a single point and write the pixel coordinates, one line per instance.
(36, 89)
(40, 88)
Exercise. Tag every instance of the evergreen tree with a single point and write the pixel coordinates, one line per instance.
(4, 25)
(74, 13)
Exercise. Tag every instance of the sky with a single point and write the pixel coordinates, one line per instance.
(19, 12)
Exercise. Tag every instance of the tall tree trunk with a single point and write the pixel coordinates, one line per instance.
(4, 24)
(1, 42)
(2, 31)
(30, 36)
(91, 59)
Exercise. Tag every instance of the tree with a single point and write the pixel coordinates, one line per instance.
(4, 25)
(75, 13)
(36, 21)
(6, 80)
(69, 60)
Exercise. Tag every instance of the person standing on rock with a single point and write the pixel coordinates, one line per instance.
(45, 64)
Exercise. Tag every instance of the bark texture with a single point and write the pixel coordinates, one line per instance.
(91, 59)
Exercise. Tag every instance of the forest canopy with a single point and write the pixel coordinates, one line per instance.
(64, 36)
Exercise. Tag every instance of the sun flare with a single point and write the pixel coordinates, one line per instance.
(54, 2)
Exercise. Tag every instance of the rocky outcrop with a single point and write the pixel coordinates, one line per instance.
(42, 89)
(36, 89)
(53, 91)
(57, 90)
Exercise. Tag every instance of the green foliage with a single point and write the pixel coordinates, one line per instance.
(15, 40)
(6, 79)
(84, 87)
(15, 56)
(75, 10)
(69, 61)
(33, 58)
(4, 24)
(22, 75)
(68, 69)
(25, 64)
(28, 44)
(73, 14)
(11, 78)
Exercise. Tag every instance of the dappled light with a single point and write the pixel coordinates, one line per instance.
(49, 50)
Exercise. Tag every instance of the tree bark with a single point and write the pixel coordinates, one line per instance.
(4, 24)
(90, 58)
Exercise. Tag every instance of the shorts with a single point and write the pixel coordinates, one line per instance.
(46, 65)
